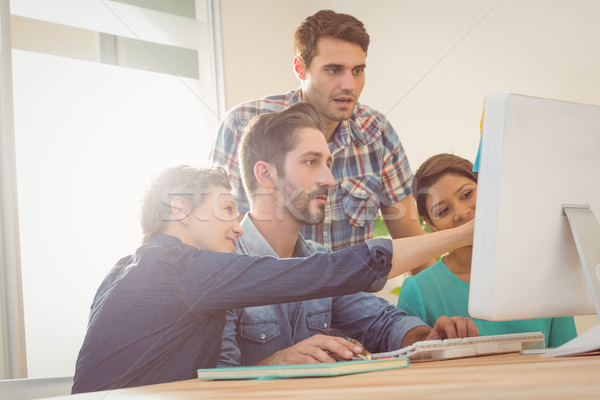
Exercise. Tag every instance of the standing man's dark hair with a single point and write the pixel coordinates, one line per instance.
(328, 23)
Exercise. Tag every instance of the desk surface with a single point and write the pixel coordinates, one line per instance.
(507, 376)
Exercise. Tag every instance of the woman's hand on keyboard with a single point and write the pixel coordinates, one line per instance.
(452, 328)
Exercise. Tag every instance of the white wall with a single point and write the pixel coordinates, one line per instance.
(258, 47)
(430, 62)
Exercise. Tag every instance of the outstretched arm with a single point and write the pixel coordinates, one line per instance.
(401, 220)
(413, 251)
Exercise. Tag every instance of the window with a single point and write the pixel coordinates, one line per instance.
(106, 95)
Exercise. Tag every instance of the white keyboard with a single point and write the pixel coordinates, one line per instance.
(467, 347)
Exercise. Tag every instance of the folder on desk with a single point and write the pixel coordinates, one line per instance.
(301, 370)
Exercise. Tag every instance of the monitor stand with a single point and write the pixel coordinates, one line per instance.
(586, 233)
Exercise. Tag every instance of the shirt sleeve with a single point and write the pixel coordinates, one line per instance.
(208, 281)
(377, 324)
(396, 174)
(225, 153)
(410, 299)
(230, 351)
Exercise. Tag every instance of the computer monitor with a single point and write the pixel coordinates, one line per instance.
(537, 155)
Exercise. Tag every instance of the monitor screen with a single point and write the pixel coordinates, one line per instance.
(536, 156)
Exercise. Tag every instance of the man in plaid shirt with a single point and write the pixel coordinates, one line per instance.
(370, 168)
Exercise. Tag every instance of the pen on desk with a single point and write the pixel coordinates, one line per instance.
(364, 354)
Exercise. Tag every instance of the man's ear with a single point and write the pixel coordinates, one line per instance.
(299, 68)
(180, 210)
(266, 175)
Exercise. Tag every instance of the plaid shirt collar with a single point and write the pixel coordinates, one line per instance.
(348, 131)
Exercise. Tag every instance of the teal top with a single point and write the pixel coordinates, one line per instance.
(436, 291)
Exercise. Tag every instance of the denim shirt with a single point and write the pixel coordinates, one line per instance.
(159, 314)
(254, 333)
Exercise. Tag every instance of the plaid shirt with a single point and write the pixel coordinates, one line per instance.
(369, 166)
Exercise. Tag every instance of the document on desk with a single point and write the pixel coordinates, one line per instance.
(301, 370)
(586, 342)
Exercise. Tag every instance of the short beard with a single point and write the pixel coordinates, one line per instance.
(297, 203)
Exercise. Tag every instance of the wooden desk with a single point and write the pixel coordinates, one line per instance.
(507, 376)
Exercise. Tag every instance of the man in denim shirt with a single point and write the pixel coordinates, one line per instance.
(285, 167)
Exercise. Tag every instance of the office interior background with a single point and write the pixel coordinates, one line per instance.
(98, 96)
